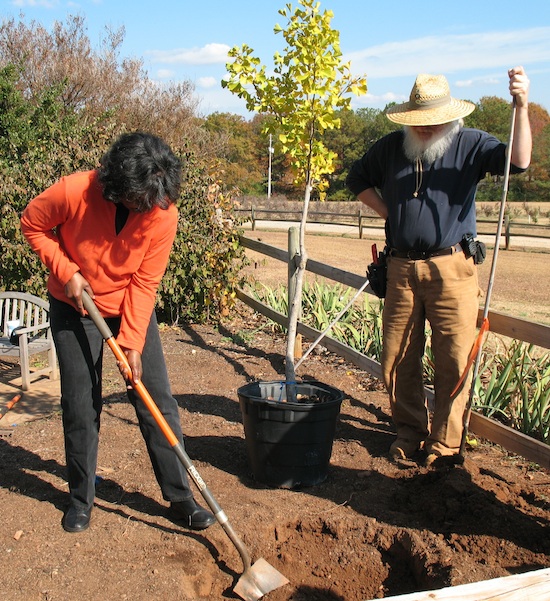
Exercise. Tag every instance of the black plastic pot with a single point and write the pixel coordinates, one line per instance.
(289, 444)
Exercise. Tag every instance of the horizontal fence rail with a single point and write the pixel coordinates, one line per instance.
(499, 323)
(357, 218)
(362, 220)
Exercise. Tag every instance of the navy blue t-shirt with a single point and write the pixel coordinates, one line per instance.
(445, 207)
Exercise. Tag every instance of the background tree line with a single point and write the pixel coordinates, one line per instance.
(245, 154)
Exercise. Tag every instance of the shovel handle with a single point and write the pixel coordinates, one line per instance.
(176, 445)
(473, 355)
(9, 405)
(105, 331)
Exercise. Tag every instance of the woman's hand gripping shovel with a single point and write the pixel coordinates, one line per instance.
(257, 580)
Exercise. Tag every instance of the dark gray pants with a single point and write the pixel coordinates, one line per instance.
(80, 350)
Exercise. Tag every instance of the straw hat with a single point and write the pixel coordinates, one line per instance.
(430, 103)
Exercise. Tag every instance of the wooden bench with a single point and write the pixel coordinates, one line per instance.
(30, 315)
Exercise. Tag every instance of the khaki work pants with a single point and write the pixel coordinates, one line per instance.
(445, 291)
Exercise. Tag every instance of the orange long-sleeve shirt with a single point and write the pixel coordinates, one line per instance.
(72, 228)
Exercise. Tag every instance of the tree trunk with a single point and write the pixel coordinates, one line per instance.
(295, 304)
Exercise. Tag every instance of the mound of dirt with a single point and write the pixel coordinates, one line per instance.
(372, 529)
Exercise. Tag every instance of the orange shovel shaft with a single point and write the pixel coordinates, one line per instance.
(9, 405)
(177, 446)
(144, 394)
(473, 354)
(105, 331)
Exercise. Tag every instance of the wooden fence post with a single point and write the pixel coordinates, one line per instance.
(293, 254)
(507, 231)
(360, 224)
(252, 218)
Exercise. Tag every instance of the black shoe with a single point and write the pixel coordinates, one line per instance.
(76, 520)
(191, 514)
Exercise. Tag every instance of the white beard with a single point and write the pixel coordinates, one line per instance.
(430, 150)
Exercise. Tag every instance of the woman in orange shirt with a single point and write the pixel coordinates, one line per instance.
(110, 232)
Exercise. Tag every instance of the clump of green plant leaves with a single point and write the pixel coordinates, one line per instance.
(514, 386)
(360, 327)
(40, 140)
(207, 257)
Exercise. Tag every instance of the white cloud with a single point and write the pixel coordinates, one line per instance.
(207, 55)
(221, 100)
(36, 3)
(207, 82)
(165, 74)
(452, 53)
(464, 83)
(383, 99)
(489, 80)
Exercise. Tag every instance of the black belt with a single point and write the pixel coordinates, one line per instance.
(422, 255)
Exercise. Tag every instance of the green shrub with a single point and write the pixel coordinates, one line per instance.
(207, 257)
(513, 386)
(41, 140)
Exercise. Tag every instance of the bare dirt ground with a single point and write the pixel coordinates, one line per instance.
(373, 529)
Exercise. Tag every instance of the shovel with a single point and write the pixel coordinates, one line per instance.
(478, 344)
(257, 580)
(4, 433)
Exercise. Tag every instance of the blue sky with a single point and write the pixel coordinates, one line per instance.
(472, 43)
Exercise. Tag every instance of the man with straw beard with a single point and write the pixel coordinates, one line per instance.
(422, 179)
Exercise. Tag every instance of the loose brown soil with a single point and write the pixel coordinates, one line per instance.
(373, 529)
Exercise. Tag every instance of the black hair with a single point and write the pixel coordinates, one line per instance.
(141, 169)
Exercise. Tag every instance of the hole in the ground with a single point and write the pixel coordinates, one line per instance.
(339, 558)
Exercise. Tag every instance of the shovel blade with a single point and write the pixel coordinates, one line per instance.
(258, 580)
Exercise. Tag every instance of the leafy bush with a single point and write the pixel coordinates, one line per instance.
(207, 257)
(39, 141)
(42, 140)
(513, 386)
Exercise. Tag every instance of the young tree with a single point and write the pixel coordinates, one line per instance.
(307, 87)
